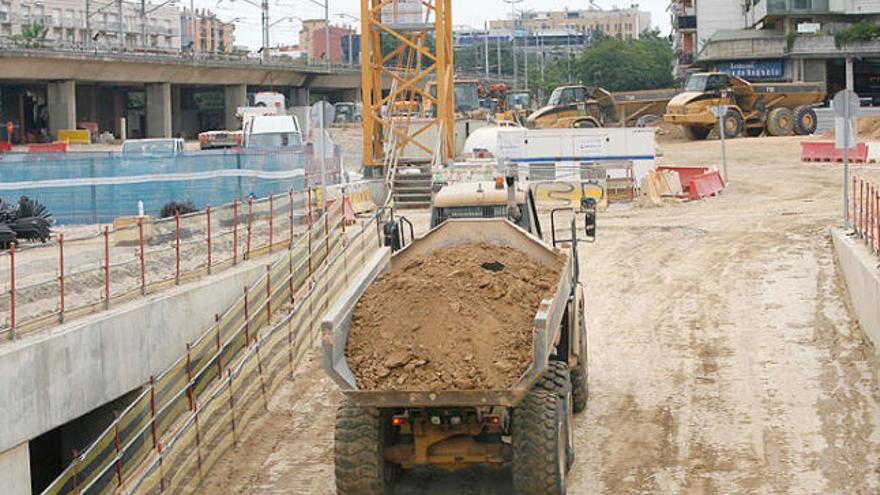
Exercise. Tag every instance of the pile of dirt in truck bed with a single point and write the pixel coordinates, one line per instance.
(460, 319)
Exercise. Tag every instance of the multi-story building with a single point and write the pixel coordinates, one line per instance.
(695, 21)
(313, 41)
(212, 34)
(626, 23)
(88, 24)
(788, 40)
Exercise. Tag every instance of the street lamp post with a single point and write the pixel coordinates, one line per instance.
(513, 40)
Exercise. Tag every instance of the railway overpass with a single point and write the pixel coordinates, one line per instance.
(160, 95)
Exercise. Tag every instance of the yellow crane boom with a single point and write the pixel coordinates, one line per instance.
(409, 63)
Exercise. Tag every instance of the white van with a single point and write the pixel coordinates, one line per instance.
(272, 131)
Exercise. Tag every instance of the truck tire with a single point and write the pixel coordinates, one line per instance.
(584, 124)
(359, 444)
(805, 120)
(557, 379)
(695, 132)
(539, 456)
(732, 124)
(579, 384)
(780, 122)
(579, 388)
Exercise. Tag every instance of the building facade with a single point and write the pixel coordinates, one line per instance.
(626, 23)
(87, 24)
(212, 35)
(313, 41)
(782, 40)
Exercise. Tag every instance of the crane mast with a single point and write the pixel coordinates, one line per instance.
(405, 46)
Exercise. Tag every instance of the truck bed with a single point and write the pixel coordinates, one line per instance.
(547, 321)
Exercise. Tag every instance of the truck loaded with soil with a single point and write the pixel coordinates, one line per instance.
(465, 348)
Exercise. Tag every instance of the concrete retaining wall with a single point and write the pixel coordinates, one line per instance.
(15, 470)
(859, 268)
(58, 375)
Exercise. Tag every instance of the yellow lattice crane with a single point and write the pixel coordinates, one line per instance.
(407, 43)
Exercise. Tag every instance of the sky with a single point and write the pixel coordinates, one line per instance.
(464, 12)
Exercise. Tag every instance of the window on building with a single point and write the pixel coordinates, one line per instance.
(56, 18)
(4, 10)
(25, 12)
(6, 29)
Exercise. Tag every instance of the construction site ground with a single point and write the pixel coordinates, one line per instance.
(724, 357)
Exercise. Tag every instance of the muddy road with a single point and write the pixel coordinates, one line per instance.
(723, 356)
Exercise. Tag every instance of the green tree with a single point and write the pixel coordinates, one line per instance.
(620, 65)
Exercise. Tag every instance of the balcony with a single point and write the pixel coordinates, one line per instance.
(811, 45)
(769, 8)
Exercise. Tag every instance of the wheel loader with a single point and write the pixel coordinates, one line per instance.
(778, 109)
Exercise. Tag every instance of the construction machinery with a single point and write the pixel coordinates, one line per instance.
(529, 425)
(779, 109)
(587, 107)
(509, 105)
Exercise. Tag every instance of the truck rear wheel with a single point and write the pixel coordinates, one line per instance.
(780, 122)
(539, 457)
(557, 379)
(696, 133)
(805, 120)
(361, 468)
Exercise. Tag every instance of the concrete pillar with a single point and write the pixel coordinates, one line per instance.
(850, 85)
(15, 470)
(119, 100)
(176, 112)
(234, 96)
(158, 110)
(299, 97)
(61, 97)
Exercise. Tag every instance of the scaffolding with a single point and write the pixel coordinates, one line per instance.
(417, 51)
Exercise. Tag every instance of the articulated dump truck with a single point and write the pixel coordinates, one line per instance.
(589, 107)
(381, 431)
(779, 109)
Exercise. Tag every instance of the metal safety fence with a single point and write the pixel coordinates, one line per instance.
(190, 414)
(43, 285)
(866, 213)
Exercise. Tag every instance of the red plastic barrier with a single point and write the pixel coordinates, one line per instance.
(56, 147)
(824, 151)
(685, 174)
(5, 146)
(708, 184)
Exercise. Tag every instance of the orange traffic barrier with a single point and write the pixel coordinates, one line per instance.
(56, 147)
(685, 174)
(825, 151)
(708, 184)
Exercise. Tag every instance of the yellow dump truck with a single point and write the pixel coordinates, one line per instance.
(582, 106)
(780, 109)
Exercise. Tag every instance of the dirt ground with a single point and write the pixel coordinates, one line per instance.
(724, 358)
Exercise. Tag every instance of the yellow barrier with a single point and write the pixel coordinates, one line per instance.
(569, 194)
(362, 201)
(75, 136)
